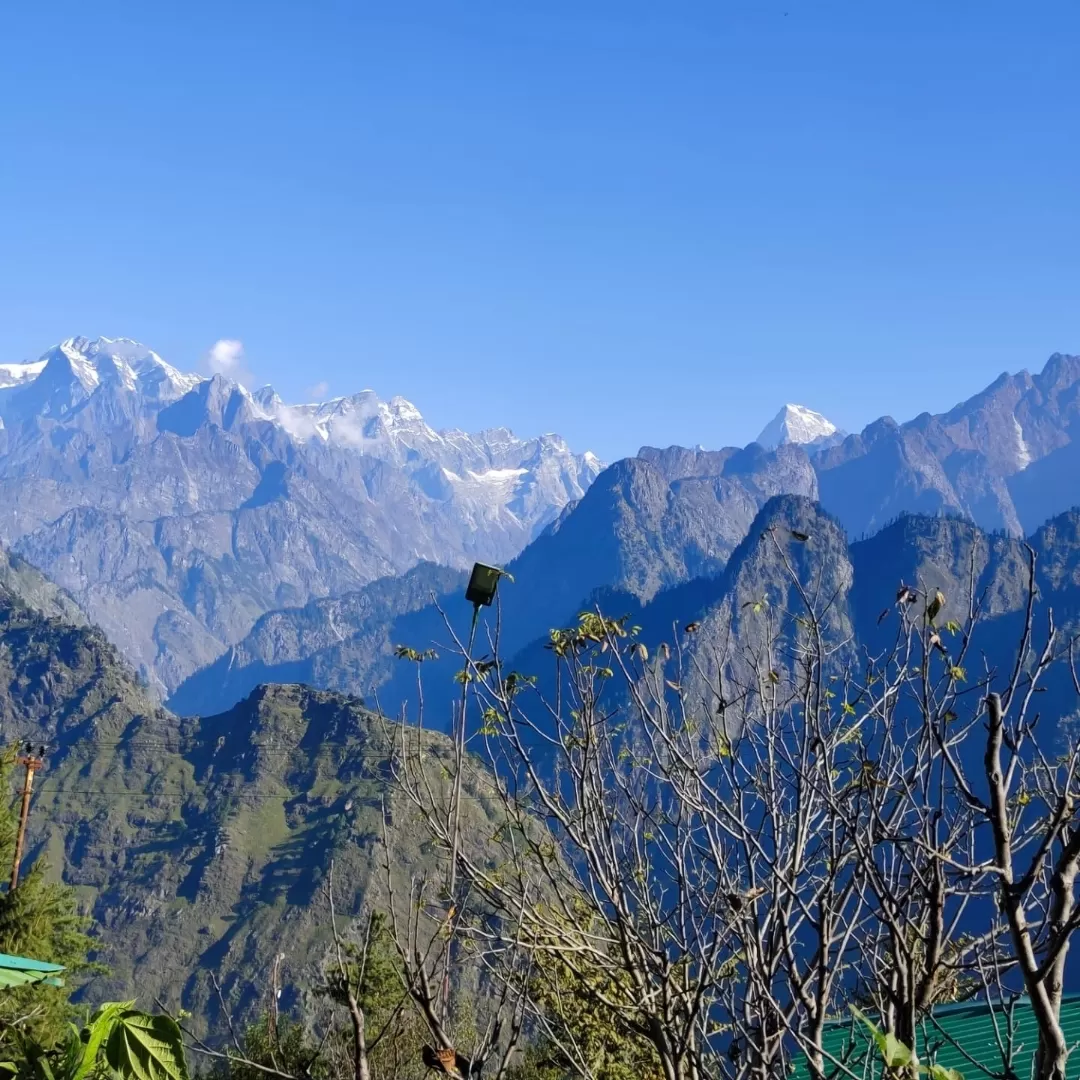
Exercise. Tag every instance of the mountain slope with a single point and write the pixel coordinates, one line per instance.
(200, 845)
(214, 856)
(1005, 458)
(343, 643)
(646, 523)
(21, 579)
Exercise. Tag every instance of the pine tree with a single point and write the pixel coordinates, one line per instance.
(40, 920)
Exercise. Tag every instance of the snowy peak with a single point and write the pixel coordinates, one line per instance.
(68, 361)
(798, 424)
(105, 381)
(133, 366)
(84, 365)
(114, 383)
(16, 374)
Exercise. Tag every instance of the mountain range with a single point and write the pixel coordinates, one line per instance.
(177, 509)
(170, 535)
(666, 517)
(221, 537)
(199, 844)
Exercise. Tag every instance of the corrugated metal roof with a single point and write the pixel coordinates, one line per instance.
(20, 970)
(960, 1037)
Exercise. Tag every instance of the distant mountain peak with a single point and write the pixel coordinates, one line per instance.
(101, 439)
(797, 424)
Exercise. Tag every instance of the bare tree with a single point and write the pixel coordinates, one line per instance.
(725, 847)
(444, 938)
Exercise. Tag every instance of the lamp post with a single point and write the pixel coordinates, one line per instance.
(483, 584)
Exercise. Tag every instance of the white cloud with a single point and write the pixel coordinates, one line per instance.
(298, 424)
(349, 430)
(319, 391)
(226, 357)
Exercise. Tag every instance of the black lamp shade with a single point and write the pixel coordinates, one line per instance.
(482, 585)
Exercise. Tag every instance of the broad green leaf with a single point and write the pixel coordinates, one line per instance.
(97, 1033)
(895, 1053)
(145, 1047)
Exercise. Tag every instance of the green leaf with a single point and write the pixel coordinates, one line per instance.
(97, 1033)
(866, 1022)
(895, 1054)
(939, 1072)
(145, 1047)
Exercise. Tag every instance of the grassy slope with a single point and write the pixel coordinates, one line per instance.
(201, 844)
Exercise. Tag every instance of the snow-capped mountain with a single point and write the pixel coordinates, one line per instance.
(178, 508)
(798, 424)
(14, 374)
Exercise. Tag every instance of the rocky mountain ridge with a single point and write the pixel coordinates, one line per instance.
(177, 509)
(666, 517)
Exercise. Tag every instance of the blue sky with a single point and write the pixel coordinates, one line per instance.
(627, 222)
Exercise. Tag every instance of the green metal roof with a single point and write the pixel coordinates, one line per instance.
(960, 1037)
(19, 971)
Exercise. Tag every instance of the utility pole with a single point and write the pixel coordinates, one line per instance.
(31, 764)
(275, 994)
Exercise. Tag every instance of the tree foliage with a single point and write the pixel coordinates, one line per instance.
(118, 1040)
(40, 920)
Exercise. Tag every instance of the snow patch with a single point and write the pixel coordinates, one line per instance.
(488, 476)
(796, 424)
(497, 476)
(1023, 452)
(13, 374)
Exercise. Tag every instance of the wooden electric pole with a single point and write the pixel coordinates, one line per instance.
(31, 764)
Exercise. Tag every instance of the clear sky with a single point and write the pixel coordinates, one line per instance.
(628, 222)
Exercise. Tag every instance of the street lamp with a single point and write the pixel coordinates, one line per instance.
(482, 585)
